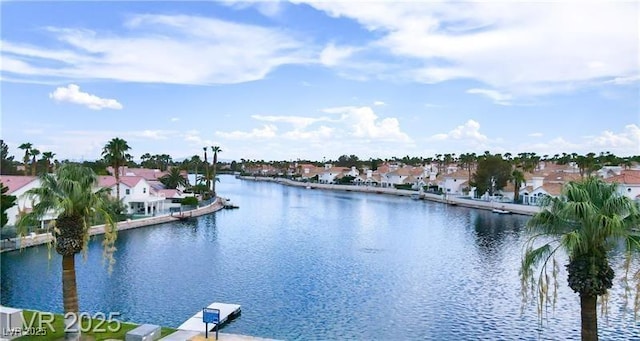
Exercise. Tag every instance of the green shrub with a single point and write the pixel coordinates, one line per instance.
(190, 201)
(403, 186)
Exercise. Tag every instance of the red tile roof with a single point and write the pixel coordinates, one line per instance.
(106, 181)
(15, 182)
(110, 181)
(147, 174)
(625, 178)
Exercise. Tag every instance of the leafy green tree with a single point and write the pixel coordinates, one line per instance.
(174, 178)
(146, 161)
(587, 222)
(492, 174)
(98, 166)
(346, 180)
(373, 163)
(467, 161)
(70, 193)
(189, 201)
(115, 154)
(6, 202)
(7, 165)
(587, 164)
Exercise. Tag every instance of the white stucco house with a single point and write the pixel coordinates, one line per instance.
(18, 185)
(136, 194)
(330, 173)
(453, 183)
(532, 196)
(628, 183)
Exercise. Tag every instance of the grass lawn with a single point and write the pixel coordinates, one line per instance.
(57, 333)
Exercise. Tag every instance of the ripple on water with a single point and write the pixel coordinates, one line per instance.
(318, 265)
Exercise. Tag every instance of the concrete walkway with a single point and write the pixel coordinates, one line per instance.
(43, 238)
(183, 335)
(451, 200)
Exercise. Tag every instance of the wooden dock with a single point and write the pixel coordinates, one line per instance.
(227, 313)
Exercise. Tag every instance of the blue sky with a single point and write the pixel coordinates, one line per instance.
(288, 80)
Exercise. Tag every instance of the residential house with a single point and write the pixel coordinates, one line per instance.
(136, 193)
(17, 186)
(628, 183)
(532, 196)
(330, 174)
(454, 183)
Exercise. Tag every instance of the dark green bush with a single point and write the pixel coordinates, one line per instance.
(190, 201)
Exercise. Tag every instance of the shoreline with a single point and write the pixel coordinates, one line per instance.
(452, 200)
(43, 238)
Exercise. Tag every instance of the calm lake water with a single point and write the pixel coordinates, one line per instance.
(317, 265)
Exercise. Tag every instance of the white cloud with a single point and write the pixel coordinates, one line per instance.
(333, 55)
(622, 143)
(523, 48)
(364, 123)
(175, 119)
(496, 96)
(194, 139)
(628, 139)
(268, 131)
(536, 134)
(470, 131)
(72, 94)
(178, 49)
(624, 80)
(379, 103)
(321, 134)
(298, 122)
(358, 129)
(266, 8)
(151, 134)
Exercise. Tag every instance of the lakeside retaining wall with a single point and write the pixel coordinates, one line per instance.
(43, 238)
(450, 200)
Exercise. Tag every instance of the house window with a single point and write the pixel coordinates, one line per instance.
(144, 190)
(628, 189)
(127, 191)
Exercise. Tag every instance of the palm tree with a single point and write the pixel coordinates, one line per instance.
(587, 221)
(467, 161)
(216, 150)
(27, 153)
(207, 176)
(34, 166)
(115, 154)
(195, 161)
(47, 157)
(174, 178)
(518, 179)
(70, 193)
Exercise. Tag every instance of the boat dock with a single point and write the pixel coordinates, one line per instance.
(227, 313)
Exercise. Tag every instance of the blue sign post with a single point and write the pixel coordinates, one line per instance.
(210, 315)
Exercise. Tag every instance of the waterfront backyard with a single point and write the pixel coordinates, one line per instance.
(315, 264)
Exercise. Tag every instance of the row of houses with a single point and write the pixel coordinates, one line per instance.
(141, 192)
(547, 179)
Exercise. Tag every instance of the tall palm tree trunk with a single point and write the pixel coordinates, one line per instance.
(588, 314)
(70, 297)
(117, 175)
(215, 161)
